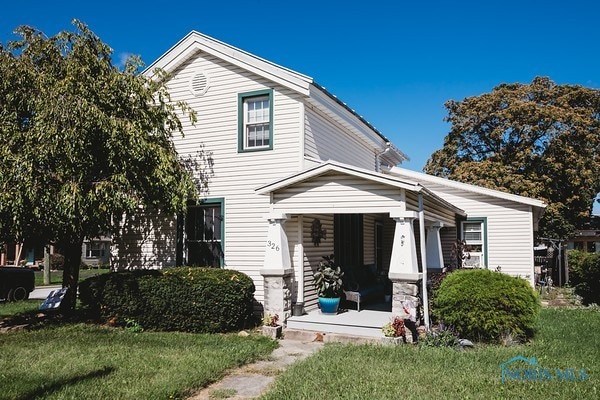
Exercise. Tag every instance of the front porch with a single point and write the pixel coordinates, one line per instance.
(366, 323)
(369, 221)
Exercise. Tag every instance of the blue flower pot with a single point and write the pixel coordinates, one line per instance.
(329, 305)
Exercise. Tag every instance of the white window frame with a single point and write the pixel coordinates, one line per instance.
(475, 255)
(249, 122)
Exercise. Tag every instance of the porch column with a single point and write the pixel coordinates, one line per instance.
(435, 257)
(277, 270)
(404, 270)
(3, 255)
(404, 250)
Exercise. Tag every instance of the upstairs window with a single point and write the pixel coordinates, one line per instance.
(255, 121)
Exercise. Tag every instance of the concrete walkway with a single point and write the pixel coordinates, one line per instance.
(42, 292)
(251, 381)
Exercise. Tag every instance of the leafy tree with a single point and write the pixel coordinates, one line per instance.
(540, 140)
(82, 142)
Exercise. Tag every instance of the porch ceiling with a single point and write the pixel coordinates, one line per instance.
(336, 188)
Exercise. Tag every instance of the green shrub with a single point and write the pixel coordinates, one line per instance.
(197, 300)
(484, 305)
(57, 262)
(584, 275)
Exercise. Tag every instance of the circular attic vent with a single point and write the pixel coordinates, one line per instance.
(199, 84)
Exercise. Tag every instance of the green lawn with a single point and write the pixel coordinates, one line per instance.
(56, 276)
(93, 362)
(72, 361)
(567, 338)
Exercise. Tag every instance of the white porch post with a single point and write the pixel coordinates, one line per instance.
(277, 269)
(435, 257)
(404, 269)
(404, 251)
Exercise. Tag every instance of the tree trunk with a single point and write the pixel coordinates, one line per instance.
(72, 253)
(46, 264)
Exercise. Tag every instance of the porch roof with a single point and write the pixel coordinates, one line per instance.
(340, 188)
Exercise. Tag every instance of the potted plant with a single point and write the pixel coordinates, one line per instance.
(328, 282)
(271, 326)
(394, 331)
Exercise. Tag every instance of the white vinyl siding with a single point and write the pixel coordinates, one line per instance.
(328, 140)
(509, 228)
(234, 175)
(313, 255)
(337, 193)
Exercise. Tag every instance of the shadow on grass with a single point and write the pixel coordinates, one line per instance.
(51, 387)
(33, 320)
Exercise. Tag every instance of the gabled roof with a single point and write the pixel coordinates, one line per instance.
(302, 84)
(426, 178)
(196, 41)
(351, 170)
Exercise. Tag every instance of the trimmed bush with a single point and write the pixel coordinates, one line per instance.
(584, 275)
(200, 300)
(484, 305)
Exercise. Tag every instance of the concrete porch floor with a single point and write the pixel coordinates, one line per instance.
(367, 322)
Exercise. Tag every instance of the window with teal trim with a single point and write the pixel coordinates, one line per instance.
(203, 242)
(255, 121)
(473, 233)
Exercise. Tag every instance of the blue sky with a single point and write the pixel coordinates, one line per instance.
(394, 62)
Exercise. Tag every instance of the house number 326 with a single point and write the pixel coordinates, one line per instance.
(272, 246)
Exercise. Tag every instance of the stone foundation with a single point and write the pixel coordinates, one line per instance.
(278, 293)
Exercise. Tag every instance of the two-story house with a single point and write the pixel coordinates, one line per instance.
(295, 175)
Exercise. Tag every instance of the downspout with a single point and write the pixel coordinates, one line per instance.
(423, 261)
(377, 162)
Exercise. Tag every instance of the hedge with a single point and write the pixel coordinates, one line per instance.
(484, 305)
(200, 300)
(584, 275)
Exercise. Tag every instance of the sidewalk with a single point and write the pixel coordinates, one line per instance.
(42, 292)
(250, 381)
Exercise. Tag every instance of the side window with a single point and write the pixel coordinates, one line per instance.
(255, 121)
(473, 233)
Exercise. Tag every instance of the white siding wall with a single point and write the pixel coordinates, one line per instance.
(509, 228)
(236, 175)
(328, 140)
(312, 255)
(147, 239)
(337, 193)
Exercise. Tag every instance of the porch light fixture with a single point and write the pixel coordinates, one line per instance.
(317, 232)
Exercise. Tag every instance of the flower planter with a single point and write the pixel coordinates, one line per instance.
(274, 332)
(392, 341)
(329, 305)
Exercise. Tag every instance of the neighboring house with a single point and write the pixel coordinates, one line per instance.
(587, 238)
(296, 175)
(96, 251)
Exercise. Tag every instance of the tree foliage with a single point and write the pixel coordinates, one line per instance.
(539, 140)
(82, 142)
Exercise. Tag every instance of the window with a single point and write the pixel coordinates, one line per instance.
(473, 233)
(95, 249)
(255, 121)
(203, 235)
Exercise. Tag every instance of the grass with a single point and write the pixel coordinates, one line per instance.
(56, 276)
(567, 338)
(10, 308)
(65, 362)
